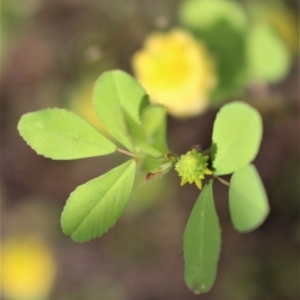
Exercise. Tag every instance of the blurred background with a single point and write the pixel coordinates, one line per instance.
(51, 53)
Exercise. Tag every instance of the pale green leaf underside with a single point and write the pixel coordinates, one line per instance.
(60, 134)
(95, 206)
(236, 137)
(154, 123)
(117, 94)
(152, 118)
(248, 201)
(268, 57)
(202, 243)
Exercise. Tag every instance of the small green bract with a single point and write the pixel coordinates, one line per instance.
(192, 167)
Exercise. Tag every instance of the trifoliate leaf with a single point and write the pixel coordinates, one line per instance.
(118, 99)
(95, 206)
(60, 134)
(202, 243)
(248, 201)
(236, 137)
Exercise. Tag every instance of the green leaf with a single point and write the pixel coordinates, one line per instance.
(221, 25)
(202, 243)
(95, 206)
(248, 201)
(117, 99)
(205, 13)
(236, 137)
(139, 138)
(268, 57)
(154, 123)
(152, 118)
(60, 134)
(230, 60)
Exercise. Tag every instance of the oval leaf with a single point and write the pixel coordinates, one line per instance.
(205, 13)
(153, 118)
(154, 123)
(248, 202)
(202, 243)
(117, 97)
(60, 134)
(95, 206)
(221, 24)
(236, 137)
(268, 57)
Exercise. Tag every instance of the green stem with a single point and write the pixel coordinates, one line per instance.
(126, 152)
(207, 151)
(222, 180)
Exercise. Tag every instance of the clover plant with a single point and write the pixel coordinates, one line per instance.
(137, 129)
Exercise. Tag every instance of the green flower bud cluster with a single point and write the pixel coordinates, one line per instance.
(192, 167)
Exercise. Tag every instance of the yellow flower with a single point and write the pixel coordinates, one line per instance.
(176, 71)
(27, 268)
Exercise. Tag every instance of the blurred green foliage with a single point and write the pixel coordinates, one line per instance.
(247, 47)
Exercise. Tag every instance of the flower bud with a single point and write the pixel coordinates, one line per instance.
(192, 167)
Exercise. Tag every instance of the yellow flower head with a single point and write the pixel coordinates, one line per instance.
(27, 267)
(176, 72)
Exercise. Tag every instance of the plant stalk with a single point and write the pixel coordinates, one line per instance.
(126, 152)
(222, 181)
